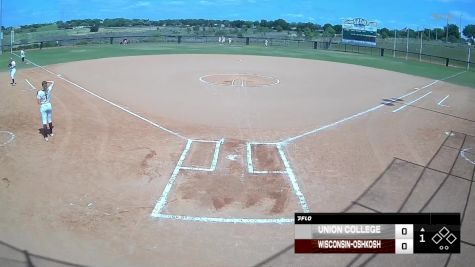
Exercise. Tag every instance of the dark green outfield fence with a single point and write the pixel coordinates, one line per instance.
(324, 44)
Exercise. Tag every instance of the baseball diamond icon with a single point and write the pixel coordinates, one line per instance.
(444, 233)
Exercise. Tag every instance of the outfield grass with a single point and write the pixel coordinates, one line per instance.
(67, 54)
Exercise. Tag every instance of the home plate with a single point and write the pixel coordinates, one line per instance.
(232, 157)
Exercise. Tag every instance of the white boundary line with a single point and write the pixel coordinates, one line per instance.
(286, 141)
(412, 102)
(163, 198)
(202, 79)
(291, 139)
(293, 180)
(440, 102)
(31, 85)
(214, 160)
(12, 137)
(250, 165)
(462, 153)
(109, 102)
(226, 220)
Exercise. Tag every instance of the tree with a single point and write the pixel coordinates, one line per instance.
(309, 34)
(329, 31)
(454, 33)
(384, 32)
(469, 31)
(94, 28)
(338, 29)
(282, 23)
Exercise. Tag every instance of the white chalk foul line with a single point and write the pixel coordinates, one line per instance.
(462, 153)
(163, 198)
(440, 102)
(412, 102)
(293, 179)
(291, 139)
(285, 142)
(225, 220)
(10, 139)
(109, 102)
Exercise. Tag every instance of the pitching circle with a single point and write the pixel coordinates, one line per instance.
(239, 80)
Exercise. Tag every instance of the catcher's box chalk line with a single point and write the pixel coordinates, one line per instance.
(441, 101)
(10, 138)
(462, 153)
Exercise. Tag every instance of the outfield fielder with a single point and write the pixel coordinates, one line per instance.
(22, 55)
(43, 98)
(12, 67)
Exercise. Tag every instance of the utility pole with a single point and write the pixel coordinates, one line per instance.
(1, 27)
(447, 30)
(420, 49)
(394, 47)
(407, 43)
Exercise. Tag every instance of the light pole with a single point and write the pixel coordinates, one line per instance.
(407, 43)
(420, 49)
(468, 58)
(1, 27)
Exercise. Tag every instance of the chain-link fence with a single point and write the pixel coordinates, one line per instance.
(11, 256)
(448, 55)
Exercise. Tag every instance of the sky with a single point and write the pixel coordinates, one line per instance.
(395, 14)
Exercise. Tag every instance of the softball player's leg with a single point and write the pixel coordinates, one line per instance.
(44, 120)
(12, 75)
(49, 114)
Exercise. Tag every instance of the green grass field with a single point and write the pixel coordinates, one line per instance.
(66, 54)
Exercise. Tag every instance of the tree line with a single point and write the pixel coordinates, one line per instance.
(301, 28)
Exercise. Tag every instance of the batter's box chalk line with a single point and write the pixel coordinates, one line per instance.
(463, 154)
(6, 138)
(162, 202)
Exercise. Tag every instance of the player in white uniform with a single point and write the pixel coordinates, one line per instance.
(12, 67)
(44, 97)
(22, 55)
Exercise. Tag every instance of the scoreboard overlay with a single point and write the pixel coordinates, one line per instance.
(393, 233)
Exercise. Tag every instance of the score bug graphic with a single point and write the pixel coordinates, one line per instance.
(397, 233)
